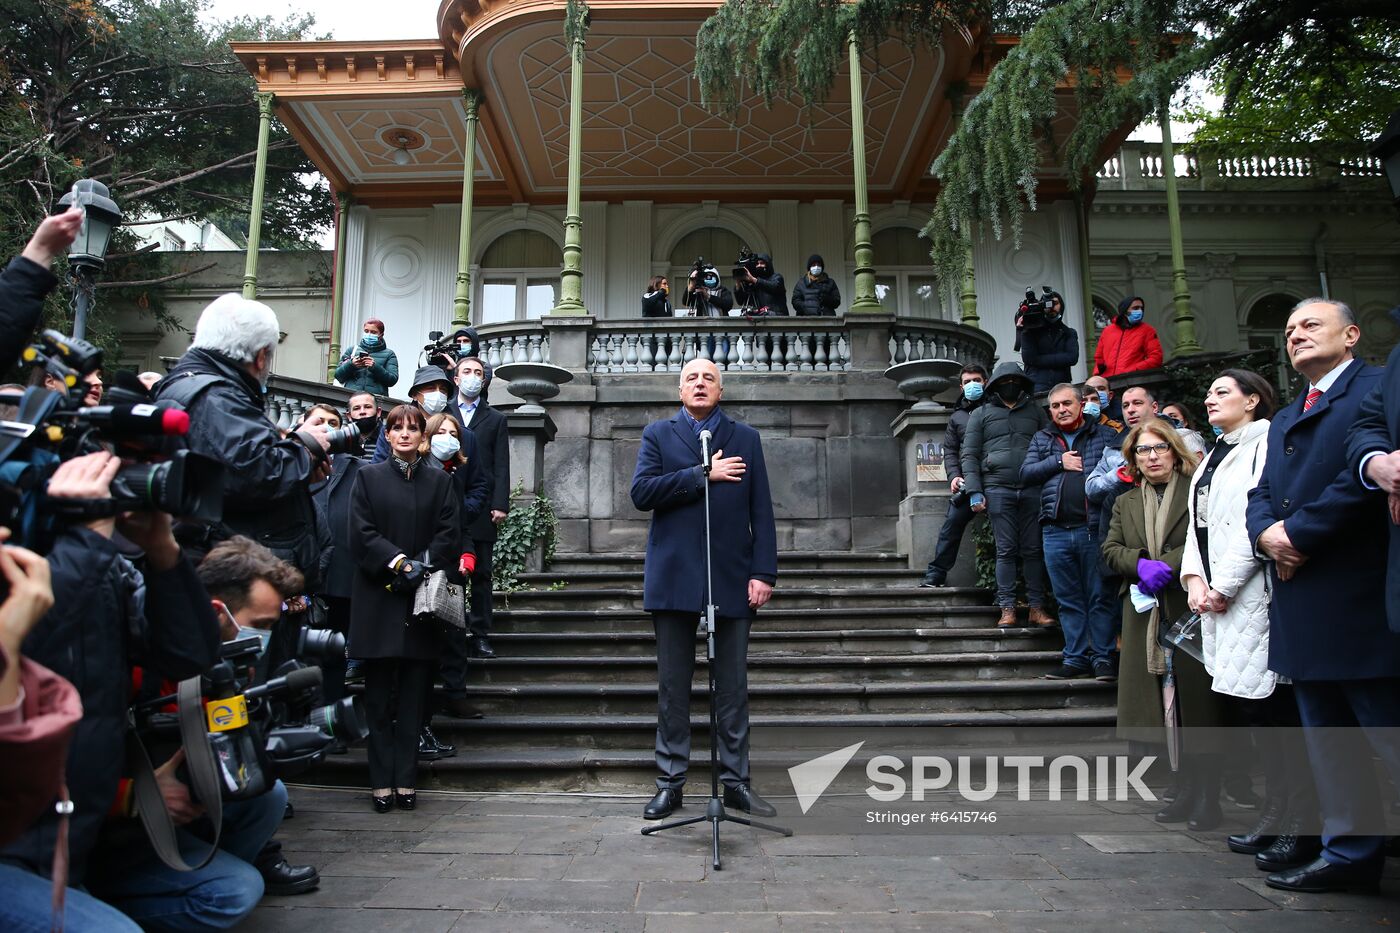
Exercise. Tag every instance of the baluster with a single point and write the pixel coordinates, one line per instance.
(745, 348)
(595, 355)
(894, 349)
(544, 348)
(702, 346)
(790, 357)
(804, 347)
(843, 351)
(535, 355)
(731, 356)
(495, 352)
(673, 357)
(520, 349)
(820, 365)
(629, 356)
(617, 347)
(760, 351)
(284, 415)
(646, 355)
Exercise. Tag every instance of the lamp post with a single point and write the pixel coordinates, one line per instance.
(1387, 149)
(88, 254)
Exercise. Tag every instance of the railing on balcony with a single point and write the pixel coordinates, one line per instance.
(912, 339)
(1140, 166)
(509, 343)
(734, 345)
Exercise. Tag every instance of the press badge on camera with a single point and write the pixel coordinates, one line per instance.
(227, 714)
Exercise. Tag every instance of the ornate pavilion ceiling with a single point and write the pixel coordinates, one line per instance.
(351, 105)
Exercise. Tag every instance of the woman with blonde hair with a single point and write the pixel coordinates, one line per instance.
(1145, 544)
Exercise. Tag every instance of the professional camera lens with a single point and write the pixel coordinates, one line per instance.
(320, 644)
(344, 720)
(344, 440)
(188, 485)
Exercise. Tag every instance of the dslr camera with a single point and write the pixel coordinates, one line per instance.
(158, 473)
(1037, 311)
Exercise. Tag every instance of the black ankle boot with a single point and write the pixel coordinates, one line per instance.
(1265, 832)
(1179, 810)
(1290, 849)
(1205, 811)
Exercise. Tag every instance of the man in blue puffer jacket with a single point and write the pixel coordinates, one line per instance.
(1060, 457)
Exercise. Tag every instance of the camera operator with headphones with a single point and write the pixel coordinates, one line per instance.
(1049, 347)
(705, 295)
(107, 616)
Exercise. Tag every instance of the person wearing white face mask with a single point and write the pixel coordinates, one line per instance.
(815, 294)
(488, 427)
(432, 392)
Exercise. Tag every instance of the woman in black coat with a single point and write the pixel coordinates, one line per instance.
(402, 511)
(656, 300)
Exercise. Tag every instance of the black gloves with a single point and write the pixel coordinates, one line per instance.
(407, 576)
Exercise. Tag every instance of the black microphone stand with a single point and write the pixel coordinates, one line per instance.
(714, 809)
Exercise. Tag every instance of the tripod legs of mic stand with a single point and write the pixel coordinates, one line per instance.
(714, 815)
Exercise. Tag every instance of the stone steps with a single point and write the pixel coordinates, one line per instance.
(938, 613)
(809, 597)
(874, 641)
(571, 563)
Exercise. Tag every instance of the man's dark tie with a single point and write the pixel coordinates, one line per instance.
(1312, 398)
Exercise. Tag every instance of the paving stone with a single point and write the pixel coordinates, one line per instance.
(956, 894)
(387, 865)
(473, 921)
(481, 843)
(508, 867)
(441, 893)
(691, 897)
(333, 891)
(1040, 844)
(302, 919)
(569, 896)
(637, 867)
(927, 845)
(332, 840)
(969, 922)
(740, 868)
(713, 923)
(996, 867)
(873, 868)
(1380, 916)
(1153, 894)
(1088, 863)
(542, 844)
(515, 823)
(1106, 921)
(828, 897)
(1340, 901)
(1148, 842)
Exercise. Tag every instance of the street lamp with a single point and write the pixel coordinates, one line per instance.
(88, 254)
(1387, 148)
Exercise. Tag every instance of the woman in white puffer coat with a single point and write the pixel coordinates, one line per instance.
(1223, 579)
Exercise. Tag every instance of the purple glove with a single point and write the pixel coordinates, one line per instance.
(1153, 575)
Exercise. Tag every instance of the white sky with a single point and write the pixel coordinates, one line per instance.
(343, 19)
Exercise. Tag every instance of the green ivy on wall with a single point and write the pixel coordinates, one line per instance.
(517, 536)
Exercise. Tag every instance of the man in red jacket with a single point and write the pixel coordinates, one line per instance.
(1128, 343)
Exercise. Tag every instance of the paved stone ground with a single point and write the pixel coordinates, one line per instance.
(526, 863)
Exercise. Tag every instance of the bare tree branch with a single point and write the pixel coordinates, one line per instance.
(160, 281)
(236, 161)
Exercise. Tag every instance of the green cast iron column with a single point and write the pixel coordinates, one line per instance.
(865, 300)
(571, 276)
(462, 300)
(338, 289)
(967, 298)
(250, 265)
(1091, 337)
(1184, 320)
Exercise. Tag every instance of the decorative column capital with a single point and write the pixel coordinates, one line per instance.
(266, 101)
(471, 100)
(1219, 265)
(577, 17)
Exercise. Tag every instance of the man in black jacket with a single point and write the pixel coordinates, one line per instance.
(763, 290)
(974, 377)
(816, 294)
(1049, 350)
(221, 382)
(489, 428)
(705, 295)
(27, 279)
(107, 617)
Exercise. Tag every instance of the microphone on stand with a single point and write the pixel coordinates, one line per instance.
(705, 451)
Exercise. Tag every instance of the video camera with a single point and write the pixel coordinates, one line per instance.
(703, 274)
(259, 732)
(1035, 311)
(444, 350)
(158, 473)
(747, 262)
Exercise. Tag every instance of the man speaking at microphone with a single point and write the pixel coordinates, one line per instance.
(670, 482)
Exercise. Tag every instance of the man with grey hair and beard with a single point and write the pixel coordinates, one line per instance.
(221, 381)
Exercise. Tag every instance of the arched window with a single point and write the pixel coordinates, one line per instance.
(904, 280)
(519, 277)
(1264, 331)
(718, 245)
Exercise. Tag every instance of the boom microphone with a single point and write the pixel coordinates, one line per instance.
(137, 419)
(300, 679)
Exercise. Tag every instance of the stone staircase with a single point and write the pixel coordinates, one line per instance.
(849, 639)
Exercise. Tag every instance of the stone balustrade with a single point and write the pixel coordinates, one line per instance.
(771, 345)
(1140, 166)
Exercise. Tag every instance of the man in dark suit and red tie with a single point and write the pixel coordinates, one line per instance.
(670, 483)
(1326, 536)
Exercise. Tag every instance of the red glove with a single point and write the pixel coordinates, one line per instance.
(467, 564)
(1125, 476)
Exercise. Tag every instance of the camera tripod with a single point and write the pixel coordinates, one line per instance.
(714, 807)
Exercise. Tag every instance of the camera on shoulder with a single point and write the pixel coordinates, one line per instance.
(1038, 310)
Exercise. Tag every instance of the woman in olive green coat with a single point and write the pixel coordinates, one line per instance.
(1159, 462)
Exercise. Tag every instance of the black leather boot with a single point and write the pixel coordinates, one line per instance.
(1179, 810)
(1205, 811)
(1265, 832)
(1290, 849)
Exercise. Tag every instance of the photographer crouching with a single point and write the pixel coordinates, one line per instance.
(1049, 347)
(107, 617)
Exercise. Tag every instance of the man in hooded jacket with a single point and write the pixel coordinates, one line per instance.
(762, 290)
(1128, 343)
(1049, 350)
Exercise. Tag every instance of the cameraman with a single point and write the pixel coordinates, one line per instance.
(221, 382)
(27, 280)
(1049, 346)
(760, 290)
(705, 295)
(108, 616)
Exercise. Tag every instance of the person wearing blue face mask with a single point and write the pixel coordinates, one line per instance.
(1128, 344)
(369, 366)
(945, 555)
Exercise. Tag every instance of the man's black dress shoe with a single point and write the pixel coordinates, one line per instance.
(666, 802)
(282, 879)
(1289, 850)
(383, 804)
(1320, 875)
(459, 707)
(444, 749)
(742, 797)
(478, 646)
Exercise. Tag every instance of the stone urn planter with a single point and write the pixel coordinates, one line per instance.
(924, 379)
(533, 382)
